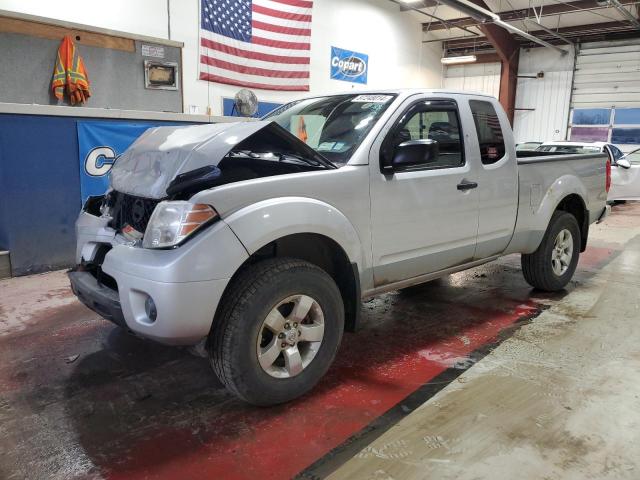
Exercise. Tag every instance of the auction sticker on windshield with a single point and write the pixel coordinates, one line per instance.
(372, 98)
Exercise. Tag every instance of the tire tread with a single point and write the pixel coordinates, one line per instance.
(536, 268)
(226, 322)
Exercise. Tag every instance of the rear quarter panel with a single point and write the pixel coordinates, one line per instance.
(544, 182)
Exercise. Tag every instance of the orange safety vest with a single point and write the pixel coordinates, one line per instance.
(302, 130)
(70, 74)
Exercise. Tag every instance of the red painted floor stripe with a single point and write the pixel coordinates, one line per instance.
(280, 442)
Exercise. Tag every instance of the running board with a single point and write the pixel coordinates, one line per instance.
(409, 282)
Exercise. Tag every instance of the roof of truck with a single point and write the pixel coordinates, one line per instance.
(405, 91)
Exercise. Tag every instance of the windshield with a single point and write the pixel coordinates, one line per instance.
(569, 149)
(633, 157)
(333, 126)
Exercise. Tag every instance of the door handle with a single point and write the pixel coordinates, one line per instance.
(465, 185)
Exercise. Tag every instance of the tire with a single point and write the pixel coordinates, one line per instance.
(539, 268)
(275, 288)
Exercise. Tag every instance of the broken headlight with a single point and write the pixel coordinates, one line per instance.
(173, 221)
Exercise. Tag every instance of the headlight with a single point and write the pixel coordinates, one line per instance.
(172, 222)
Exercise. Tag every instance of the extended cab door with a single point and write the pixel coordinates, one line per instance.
(424, 209)
(497, 176)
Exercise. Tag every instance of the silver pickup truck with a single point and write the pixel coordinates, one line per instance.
(257, 240)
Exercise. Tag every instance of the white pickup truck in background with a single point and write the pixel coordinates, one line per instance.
(258, 240)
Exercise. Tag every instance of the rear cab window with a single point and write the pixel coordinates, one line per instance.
(489, 131)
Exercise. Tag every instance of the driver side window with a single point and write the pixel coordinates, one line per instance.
(438, 124)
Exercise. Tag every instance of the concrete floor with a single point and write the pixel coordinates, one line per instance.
(473, 376)
(560, 399)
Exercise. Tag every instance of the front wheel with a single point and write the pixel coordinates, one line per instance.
(553, 264)
(278, 331)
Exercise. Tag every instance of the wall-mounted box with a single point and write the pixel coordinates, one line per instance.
(161, 75)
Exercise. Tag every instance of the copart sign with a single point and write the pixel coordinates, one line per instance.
(349, 66)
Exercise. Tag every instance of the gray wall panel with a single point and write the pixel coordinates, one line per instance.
(117, 77)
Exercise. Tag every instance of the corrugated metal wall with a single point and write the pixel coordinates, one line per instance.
(607, 74)
(481, 78)
(543, 103)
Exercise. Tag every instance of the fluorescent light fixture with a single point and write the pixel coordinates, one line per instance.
(461, 59)
(410, 2)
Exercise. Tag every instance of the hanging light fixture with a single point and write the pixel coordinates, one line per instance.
(458, 60)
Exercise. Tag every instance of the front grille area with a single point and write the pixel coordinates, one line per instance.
(130, 210)
(94, 267)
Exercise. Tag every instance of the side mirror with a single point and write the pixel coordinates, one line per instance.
(624, 163)
(412, 153)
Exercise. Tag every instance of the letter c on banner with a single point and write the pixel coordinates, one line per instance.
(99, 161)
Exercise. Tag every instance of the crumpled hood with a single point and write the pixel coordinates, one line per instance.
(149, 165)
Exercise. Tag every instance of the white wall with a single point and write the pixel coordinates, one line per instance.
(142, 17)
(548, 97)
(474, 77)
(392, 39)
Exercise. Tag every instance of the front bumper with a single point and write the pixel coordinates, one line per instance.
(97, 297)
(185, 283)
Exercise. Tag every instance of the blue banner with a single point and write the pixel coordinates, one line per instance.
(349, 66)
(99, 146)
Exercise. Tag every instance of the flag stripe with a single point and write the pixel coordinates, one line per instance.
(256, 48)
(278, 29)
(280, 44)
(282, 7)
(253, 70)
(269, 35)
(296, 3)
(254, 63)
(281, 14)
(279, 21)
(265, 57)
(224, 77)
(245, 77)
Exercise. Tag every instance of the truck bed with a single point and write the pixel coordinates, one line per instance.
(543, 178)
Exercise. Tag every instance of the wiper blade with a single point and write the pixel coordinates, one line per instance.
(321, 161)
(315, 160)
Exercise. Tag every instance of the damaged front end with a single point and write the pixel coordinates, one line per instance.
(171, 164)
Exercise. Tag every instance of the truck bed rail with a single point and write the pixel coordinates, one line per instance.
(542, 157)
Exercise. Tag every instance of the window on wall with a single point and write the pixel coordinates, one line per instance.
(619, 126)
(591, 116)
(490, 137)
(583, 123)
(589, 134)
(627, 116)
(626, 136)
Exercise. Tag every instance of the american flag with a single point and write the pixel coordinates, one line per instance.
(261, 44)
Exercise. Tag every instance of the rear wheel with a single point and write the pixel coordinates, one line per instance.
(553, 264)
(278, 331)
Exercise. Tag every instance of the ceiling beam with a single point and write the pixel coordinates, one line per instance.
(508, 50)
(550, 31)
(520, 14)
(579, 32)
